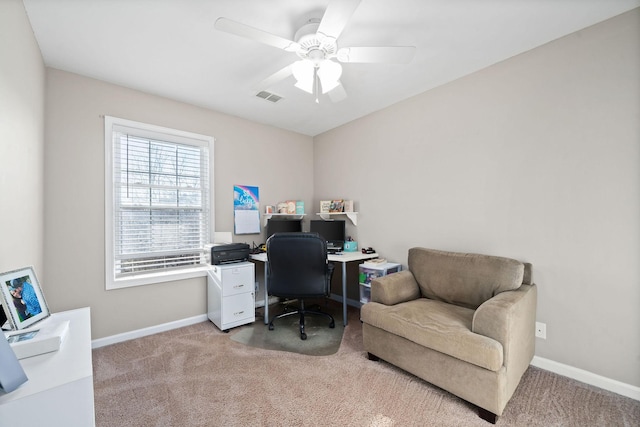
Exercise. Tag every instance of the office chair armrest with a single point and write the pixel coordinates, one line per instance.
(330, 267)
(395, 288)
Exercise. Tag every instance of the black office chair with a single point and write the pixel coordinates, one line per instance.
(297, 268)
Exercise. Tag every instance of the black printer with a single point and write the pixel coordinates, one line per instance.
(228, 253)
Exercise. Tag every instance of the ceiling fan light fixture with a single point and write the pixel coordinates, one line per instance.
(304, 73)
(329, 73)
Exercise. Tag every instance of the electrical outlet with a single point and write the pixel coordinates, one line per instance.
(541, 330)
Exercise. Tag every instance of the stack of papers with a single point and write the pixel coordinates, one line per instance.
(376, 262)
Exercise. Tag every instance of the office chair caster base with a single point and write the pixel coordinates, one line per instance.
(271, 326)
(332, 324)
(303, 334)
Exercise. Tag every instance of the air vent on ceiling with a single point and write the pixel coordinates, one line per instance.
(268, 96)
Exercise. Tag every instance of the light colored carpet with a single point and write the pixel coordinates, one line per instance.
(199, 376)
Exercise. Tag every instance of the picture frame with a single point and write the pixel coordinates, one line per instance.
(336, 206)
(22, 298)
(348, 205)
(325, 205)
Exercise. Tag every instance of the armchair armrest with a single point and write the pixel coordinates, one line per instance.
(509, 318)
(395, 288)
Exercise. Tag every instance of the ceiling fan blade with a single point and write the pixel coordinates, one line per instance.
(387, 54)
(338, 94)
(336, 17)
(242, 30)
(274, 78)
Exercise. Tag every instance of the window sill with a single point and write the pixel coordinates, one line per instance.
(160, 277)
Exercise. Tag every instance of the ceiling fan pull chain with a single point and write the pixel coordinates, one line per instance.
(317, 83)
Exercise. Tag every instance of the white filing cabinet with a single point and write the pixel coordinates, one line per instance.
(230, 295)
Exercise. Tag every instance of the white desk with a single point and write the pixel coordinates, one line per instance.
(343, 258)
(59, 392)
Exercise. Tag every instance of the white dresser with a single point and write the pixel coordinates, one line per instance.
(231, 295)
(59, 392)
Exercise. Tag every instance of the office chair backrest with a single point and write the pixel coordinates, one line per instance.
(297, 265)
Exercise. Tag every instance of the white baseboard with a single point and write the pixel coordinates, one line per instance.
(139, 333)
(587, 377)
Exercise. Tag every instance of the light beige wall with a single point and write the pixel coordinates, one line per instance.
(21, 142)
(536, 158)
(245, 153)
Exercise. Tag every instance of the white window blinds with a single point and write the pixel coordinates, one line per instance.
(161, 201)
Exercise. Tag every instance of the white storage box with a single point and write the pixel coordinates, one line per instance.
(43, 337)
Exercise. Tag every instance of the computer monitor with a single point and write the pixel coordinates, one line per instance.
(283, 226)
(332, 231)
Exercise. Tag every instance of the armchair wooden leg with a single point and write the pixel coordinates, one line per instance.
(487, 416)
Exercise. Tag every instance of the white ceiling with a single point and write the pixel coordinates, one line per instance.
(171, 48)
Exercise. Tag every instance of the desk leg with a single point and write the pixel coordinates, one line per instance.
(344, 292)
(266, 297)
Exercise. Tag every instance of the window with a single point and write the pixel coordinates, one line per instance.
(158, 203)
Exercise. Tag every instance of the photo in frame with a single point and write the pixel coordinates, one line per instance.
(325, 205)
(336, 206)
(22, 298)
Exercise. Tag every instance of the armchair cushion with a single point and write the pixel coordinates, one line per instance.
(398, 287)
(463, 279)
(437, 325)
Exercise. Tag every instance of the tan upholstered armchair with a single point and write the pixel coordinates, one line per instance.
(463, 322)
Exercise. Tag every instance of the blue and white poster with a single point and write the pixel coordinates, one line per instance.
(246, 209)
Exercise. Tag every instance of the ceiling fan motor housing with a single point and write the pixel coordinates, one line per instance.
(314, 47)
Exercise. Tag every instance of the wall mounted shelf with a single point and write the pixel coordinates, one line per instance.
(353, 216)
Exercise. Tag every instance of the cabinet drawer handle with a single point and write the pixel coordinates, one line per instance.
(237, 313)
(238, 286)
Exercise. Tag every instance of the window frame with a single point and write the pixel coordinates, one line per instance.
(163, 134)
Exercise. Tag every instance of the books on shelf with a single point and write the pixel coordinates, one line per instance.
(44, 337)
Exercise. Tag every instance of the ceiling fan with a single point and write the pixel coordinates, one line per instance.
(316, 44)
